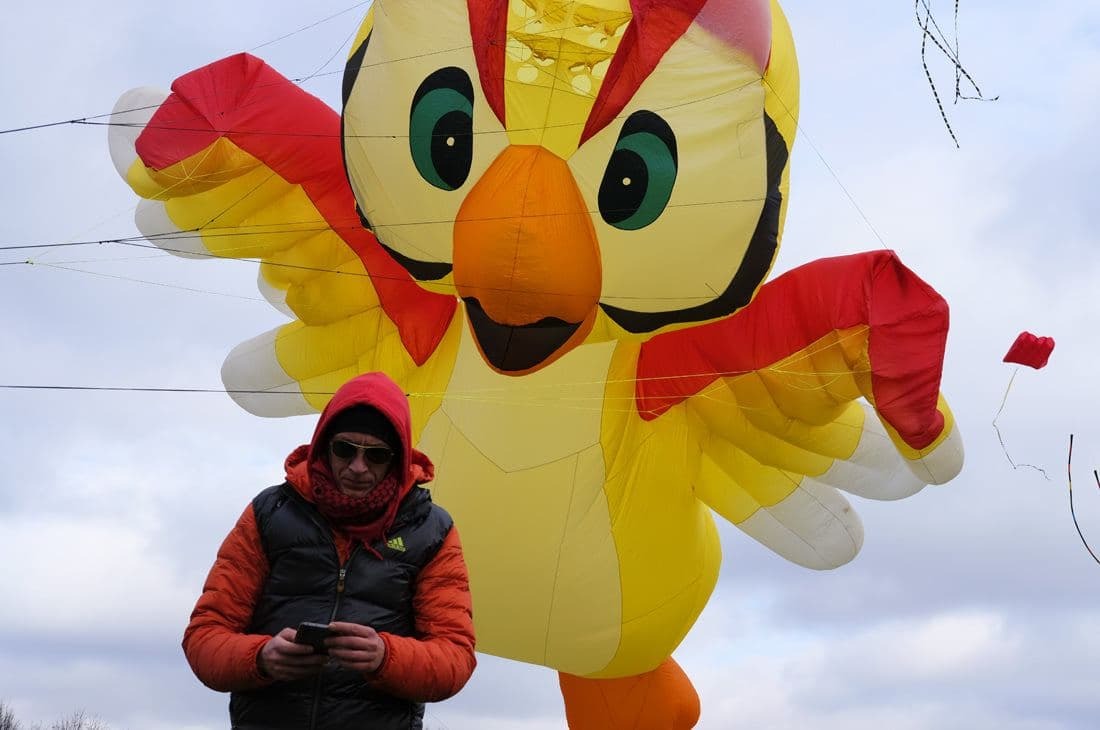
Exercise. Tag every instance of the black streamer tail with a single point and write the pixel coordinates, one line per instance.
(931, 31)
(1069, 474)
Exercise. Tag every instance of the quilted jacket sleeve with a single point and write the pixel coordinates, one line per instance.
(222, 656)
(435, 663)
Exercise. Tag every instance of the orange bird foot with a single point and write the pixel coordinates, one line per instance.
(662, 699)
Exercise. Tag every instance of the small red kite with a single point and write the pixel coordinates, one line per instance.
(1030, 350)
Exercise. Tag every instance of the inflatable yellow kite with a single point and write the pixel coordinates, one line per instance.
(552, 221)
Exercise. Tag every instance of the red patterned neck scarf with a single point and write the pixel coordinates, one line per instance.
(364, 518)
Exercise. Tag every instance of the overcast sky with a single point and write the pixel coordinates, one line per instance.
(972, 605)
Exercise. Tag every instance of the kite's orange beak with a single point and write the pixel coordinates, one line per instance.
(526, 261)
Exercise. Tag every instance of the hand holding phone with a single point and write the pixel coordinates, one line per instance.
(284, 660)
(313, 634)
(357, 647)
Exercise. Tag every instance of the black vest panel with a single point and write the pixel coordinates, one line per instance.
(302, 585)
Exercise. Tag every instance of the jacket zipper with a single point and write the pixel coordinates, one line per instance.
(341, 575)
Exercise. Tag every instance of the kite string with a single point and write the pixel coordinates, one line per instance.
(1069, 477)
(999, 410)
(1000, 438)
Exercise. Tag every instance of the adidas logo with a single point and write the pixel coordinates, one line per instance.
(396, 543)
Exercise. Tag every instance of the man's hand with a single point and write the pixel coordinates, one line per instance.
(355, 646)
(282, 659)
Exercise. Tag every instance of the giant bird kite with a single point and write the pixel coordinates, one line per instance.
(552, 222)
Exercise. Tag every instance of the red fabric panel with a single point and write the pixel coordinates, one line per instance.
(1030, 350)
(742, 24)
(908, 335)
(654, 28)
(489, 32)
(298, 136)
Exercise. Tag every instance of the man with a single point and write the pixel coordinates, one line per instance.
(350, 540)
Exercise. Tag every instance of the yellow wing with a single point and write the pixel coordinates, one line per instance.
(828, 380)
(238, 162)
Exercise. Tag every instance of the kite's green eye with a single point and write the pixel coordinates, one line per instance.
(639, 178)
(441, 124)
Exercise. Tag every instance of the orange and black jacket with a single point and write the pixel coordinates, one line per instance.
(281, 565)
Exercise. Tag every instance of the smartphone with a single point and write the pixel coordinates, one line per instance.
(313, 634)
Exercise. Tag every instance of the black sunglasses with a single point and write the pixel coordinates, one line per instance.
(346, 451)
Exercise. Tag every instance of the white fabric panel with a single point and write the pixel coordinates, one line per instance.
(876, 470)
(133, 109)
(943, 464)
(827, 533)
(252, 365)
(275, 297)
(152, 220)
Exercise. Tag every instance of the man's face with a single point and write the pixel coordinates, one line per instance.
(359, 461)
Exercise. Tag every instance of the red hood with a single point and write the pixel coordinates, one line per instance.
(378, 391)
